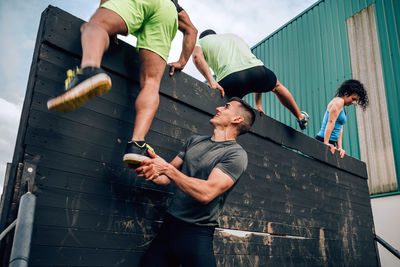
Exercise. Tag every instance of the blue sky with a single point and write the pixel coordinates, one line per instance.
(19, 20)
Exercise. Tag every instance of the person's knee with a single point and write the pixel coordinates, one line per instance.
(84, 26)
(277, 87)
(147, 102)
(151, 80)
(94, 27)
(150, 88)
(94, 24)
(108, 21)
(148, 97)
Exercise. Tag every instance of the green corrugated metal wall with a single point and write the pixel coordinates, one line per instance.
(388, 23)
(310, 56)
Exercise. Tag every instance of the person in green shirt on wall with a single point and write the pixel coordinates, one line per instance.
(239, 72)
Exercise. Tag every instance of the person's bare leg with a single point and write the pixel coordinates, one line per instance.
(86, 83)
(151, 71)
(287, 100)
(95, 35)
(257, 99)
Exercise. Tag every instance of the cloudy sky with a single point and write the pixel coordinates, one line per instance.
(19, 19)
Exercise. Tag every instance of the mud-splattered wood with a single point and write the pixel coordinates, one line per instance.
(296, 205)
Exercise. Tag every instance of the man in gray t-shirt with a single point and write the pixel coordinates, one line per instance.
(204, 172)
(200, 156)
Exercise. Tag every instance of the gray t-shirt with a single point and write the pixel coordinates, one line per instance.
(200, 156)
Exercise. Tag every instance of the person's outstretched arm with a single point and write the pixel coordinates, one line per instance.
(158, 178)
(189, 40)
(339, 143)
(201, 64)
(330, 125)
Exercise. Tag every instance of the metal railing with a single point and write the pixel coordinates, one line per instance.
(394, 251)
(21, 243)
(8, 229)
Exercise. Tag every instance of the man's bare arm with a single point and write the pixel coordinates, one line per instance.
(189, 40)
(201, 64)
(204, 191)
(157, 178)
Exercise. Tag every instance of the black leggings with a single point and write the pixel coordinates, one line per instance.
(183, 243)
(258, 79)
(319, 138)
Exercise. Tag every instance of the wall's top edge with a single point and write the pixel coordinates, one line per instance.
(264, 126)
(288, 23)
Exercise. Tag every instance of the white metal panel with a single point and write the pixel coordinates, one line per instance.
(373, 124)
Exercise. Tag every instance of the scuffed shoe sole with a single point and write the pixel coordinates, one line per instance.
(134, 159)
(77, 96)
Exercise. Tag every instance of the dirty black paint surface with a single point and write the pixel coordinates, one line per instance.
(303, 206)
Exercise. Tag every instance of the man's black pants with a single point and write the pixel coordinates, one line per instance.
(181, 243)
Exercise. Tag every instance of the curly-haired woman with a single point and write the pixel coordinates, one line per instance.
(350, 92)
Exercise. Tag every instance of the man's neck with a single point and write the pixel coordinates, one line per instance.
(224, 134)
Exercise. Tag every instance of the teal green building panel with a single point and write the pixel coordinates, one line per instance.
(310, 56)
(388, 24)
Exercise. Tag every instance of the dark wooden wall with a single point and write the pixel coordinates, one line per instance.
(299, 205)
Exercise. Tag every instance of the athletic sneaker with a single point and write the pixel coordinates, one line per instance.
(136, 153)
(303, 123)
(80, 85)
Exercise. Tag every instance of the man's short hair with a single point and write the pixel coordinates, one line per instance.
(248, 114)
(206, 32)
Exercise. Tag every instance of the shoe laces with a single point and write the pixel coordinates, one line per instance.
(70, 76)
(149, 148)
(145, 144)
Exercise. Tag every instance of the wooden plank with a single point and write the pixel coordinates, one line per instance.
(71, 256)
(71, 237)
(294, 224)
(89, 220)
(283, 135)
(255, 206)
(64, 199)
(283, 250)
(266, 150)
(178, 128)
(169, 110)
(301, 183)
(261, 206)
(95, 187)
(133, 189)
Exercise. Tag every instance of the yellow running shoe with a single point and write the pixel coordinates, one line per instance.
(136, 152)
(80, 85)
